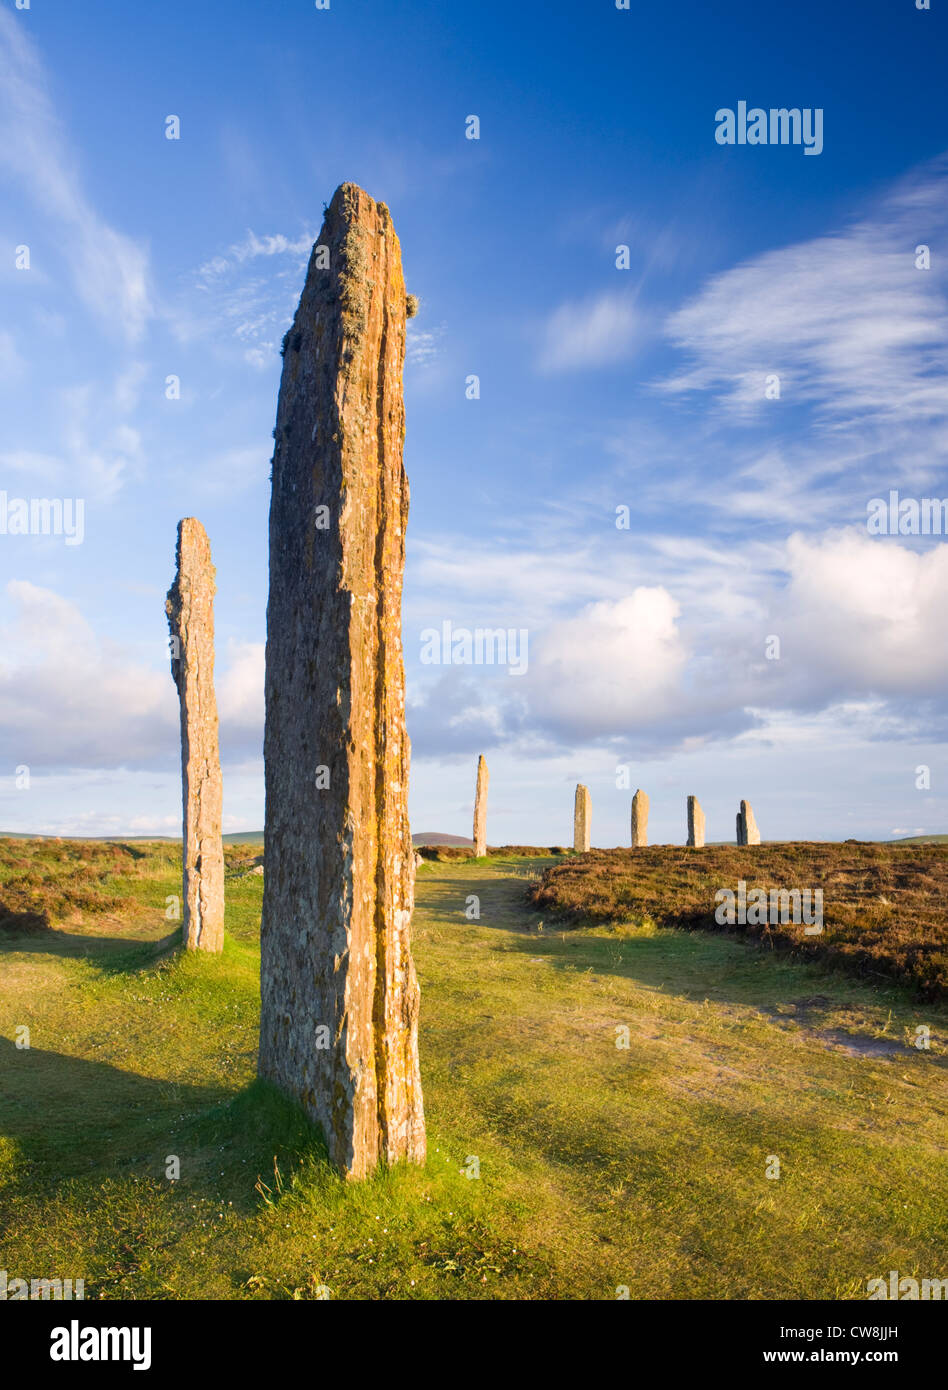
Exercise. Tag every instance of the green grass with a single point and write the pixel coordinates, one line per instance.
(599, 1166)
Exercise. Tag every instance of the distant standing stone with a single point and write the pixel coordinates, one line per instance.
(480, 808)
(639, 820)
(695, 823)
(190, 610)
(582, 819)
(749, 832)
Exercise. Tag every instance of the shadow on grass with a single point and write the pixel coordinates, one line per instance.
(73, 1119)
(112, 954)
(729, 967)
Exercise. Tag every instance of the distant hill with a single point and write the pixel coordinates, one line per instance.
(921, 840)
(436, 837)
(239, 837)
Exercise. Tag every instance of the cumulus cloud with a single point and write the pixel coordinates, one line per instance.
(683, 662)
(458, 714)
(862, 616)
(612, 666)
(70, 698)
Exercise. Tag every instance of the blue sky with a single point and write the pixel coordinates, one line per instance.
(600, 388)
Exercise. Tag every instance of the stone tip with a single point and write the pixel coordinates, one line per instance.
(192, 538)
(351, 200)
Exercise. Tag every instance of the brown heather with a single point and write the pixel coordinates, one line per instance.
(885, 907)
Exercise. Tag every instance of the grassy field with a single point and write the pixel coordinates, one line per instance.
(621, 1090)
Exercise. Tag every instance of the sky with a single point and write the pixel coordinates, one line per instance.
(662, 474)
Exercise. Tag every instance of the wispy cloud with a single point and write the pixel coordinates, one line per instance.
(109, 270)
(251, 248)
(590, 333)
(847, 321)
(245, 296)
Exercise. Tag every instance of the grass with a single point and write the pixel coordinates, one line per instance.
(620, 1091)
(883, 904)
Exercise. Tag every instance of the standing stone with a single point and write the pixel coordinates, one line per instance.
(639, 820)
(695, 823)
(339, 994)
(480, 808)
(190, 610)
(747, 832)
(582, 819)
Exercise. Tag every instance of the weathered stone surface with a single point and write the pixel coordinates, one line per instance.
(695, 823)
(748, 834)
(582, 819)
(190, 610)
(639, 819)
(339, 994)
(480, 807)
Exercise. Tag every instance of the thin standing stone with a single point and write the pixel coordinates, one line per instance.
(480, 808)
(695, 823)
(749, 832)
(582, 819)
(339, 994)
(639, 820)
(190, 610)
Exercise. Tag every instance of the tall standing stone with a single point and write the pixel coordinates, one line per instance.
(480, 808)
(747, 832)
(639, 820)
(190, 610)
(695, 823)
(339, 994)
(582, 819)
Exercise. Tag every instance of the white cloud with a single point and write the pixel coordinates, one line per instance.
(247, 294)
(422, 346)
(612, 666)
(240, 688)
(109, 269)
(103, 450)
(254, 246)
(847, 321)
(69, 699)
(863, 615)
(593, 333)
